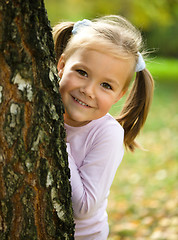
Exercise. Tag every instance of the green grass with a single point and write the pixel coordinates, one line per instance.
(163, 69)
(144, 197)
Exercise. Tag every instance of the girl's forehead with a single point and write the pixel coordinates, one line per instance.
(116, 53)
(87, 55)
(91, 54)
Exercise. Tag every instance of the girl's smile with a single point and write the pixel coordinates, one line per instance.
(91, 82)
(80, 102)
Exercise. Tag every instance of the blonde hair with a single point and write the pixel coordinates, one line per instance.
(116, 36)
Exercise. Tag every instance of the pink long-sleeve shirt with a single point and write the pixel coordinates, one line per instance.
(95, 151)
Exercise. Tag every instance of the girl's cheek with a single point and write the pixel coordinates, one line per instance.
(62, 89)
(63, 83)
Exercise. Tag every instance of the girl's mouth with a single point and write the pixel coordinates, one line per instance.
(80, 102)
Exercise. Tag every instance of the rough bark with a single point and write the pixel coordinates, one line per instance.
(35, 193)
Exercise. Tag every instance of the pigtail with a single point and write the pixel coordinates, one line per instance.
(61, 34)
(136, 107)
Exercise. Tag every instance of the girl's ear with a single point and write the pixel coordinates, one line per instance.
(61, 65)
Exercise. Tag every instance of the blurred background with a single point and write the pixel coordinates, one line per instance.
(143, 202)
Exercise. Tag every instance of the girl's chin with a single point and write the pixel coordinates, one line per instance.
(75, 122)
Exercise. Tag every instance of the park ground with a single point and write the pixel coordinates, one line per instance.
(143, 202)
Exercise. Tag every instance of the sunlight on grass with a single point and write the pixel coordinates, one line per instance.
(143, 198)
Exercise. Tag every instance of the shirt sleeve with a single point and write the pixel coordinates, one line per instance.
(91, 182)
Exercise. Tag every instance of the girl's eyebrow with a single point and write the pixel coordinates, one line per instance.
(80, 64)
(113, 81)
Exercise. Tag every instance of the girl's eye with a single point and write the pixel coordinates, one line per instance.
(106, 85)
(82, 73)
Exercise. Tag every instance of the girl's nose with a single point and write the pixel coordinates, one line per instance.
(88, 89)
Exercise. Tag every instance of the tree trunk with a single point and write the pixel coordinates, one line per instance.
(35, 193)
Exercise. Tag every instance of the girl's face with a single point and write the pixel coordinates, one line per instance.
(91, 82)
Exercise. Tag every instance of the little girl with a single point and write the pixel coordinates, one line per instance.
(96, 62)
